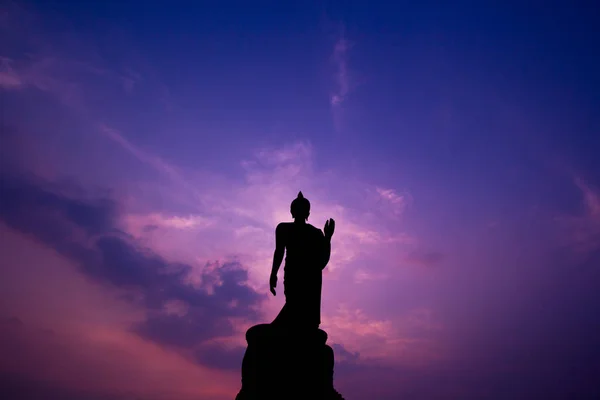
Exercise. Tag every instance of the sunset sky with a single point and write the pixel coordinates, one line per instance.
(149, 149)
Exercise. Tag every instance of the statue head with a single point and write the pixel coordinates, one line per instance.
(300, 207)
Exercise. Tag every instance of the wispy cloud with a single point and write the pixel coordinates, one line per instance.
(67, 66)
(404, 339)
(425, 258)
(130, 80)
(342, 81)
(180, 311)
(152, 160)
(395, 202)
(591, 198)
(155, 220)
(49, 72)
(238, 218)
(230, 222)
(581, 232)
(88, 328)
(340, 57)
(105, 361)
(361, 276)
(9, 79)
(234, 219)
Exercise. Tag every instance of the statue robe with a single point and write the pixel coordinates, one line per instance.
(306, 252)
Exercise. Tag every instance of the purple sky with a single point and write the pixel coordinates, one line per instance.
(148, 152)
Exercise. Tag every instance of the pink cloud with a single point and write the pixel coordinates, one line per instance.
(392, 201)
(137, 223)
(154, 161)
(341, 80)
(424, 258)
(9, 79)
(76, 333)
(591, 198)
(47, 73)
(398, 340)
(340, 52)
(237, 221)
(108, 361)
(582, 232)
(361, 276)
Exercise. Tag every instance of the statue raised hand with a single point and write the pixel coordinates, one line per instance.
(329, 228)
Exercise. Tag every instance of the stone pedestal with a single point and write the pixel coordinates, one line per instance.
(287, 364)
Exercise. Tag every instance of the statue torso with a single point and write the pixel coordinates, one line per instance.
(303, 276)
(303, 244)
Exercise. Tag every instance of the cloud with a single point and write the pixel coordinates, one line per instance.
(34, 205)
(222, 357)
(591, 199)
(155, 162)
(68, 66)
(164, 262)
(273, 166)
(298, 153)
(355, 330)
(340, 55)
(238, 218)
(190, 188)
(19, 387)
(87, 231)
(395, 202)
(404, 338)
(48, 73)
(130, 79)
(361, 276)
(582, 232)
(9, 79)
(342, 355)
(208, 315)
(138, 223)
(100, 363)
(182, 331)
(341, 79)
(425, 258)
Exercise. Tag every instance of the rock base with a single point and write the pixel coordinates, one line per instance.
(287, 364)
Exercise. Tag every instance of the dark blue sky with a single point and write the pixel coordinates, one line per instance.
(496, 70)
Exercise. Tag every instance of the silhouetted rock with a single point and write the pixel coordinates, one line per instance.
(287, 364)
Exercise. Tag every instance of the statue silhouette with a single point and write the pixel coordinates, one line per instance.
(289, 358)
(307, 250)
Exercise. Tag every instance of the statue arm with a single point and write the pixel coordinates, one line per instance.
(279, 249)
